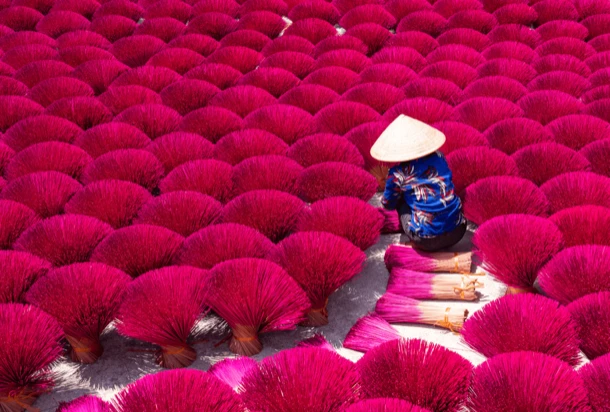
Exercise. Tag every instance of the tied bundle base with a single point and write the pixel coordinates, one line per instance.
(18, 402)
(83, 350)
(244, 341)
(317, 317)
(510, 290)
(173, 357)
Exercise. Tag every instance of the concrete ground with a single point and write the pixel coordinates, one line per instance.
(126, 360)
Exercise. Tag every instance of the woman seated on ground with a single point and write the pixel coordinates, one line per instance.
(420, 186)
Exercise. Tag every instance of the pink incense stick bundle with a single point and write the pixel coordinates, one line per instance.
(115, 202)
(244, 144)
(324, 147)
(15, 218)
(242, 100)
(524, 322)
(84, 298)
(310, 97)
(470, 164)
(17, 108)
(132, 165)
(279, 382)
(30, 345)
(369, 331)
(515, 32)
(45, 193)
(20, 271)
(255, 296)
(385, 405)
(269, 172)
(400, 309)
(113, 27)
(111, 136)
(181, 390)
(539, 162)
(99, 73)
(208, 176)
(177, 148)
(154, 120)
(87, 403)
(466, 37)
(218, 243)
(578, 130)
(438, 379)
(85, 112)
(338, 79)
(181, 211)
(420, 285)
(63, 239)
(580, 225)
(575, 189)
(165, 316)
(350, 59)
(495, 109)
(394, 74)
(316, 341)
(232, 370)
(274, 80)
(50, 90)
(502, 195)
(297, 63)
(29, 131)
(273, 213)
(138, 249)
(510, 135)
(340, 42)
(405, 257)
(435, 87)
(288, 44)
(40, 157)
(331, 179)
(575, 272)
(153, 78)
(135, 50)
(320, 263)
(187, 95)
(533, 241)
(596, 376)
(591, 315)
(596, 153)
(425, 109)
(176, 59)
(218, 74)
(342, 116)
(391, 222)
(527, 381)
(459, 135)
(495, 86)
(199, 43)
(362, 228)
(287, 122)
(547, 105)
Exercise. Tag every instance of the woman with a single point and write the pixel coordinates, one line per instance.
(420, 186)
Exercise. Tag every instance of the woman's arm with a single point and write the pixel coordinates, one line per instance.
(392, 195)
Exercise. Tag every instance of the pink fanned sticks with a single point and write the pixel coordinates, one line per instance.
(181, 390)
(20, 271)
(421, 285)
(84, 298)
(524, 322)
(580, 225)
(437, 378)
(399, 309)
(255, 296)
(162, 307)
(138, 249)
(217, 243)
(86, 403)
(302, 379)
(532, 242)
(405, 257)
(526, 381)
(575, 272)
(369, 331)
(320, 263)
(232, 370)
(385, 405)
(592, 315)
(30, 344)
(596, 376)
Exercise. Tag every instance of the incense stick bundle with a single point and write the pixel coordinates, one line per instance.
(405, 257)
(418, 285)
(400, 309)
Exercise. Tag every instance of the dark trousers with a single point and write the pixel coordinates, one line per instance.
(429, 244)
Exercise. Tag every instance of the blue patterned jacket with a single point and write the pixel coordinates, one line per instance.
(425, 186)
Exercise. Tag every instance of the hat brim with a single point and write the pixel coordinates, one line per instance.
(406, 139)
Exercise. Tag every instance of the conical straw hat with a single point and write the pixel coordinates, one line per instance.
(406, 139)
